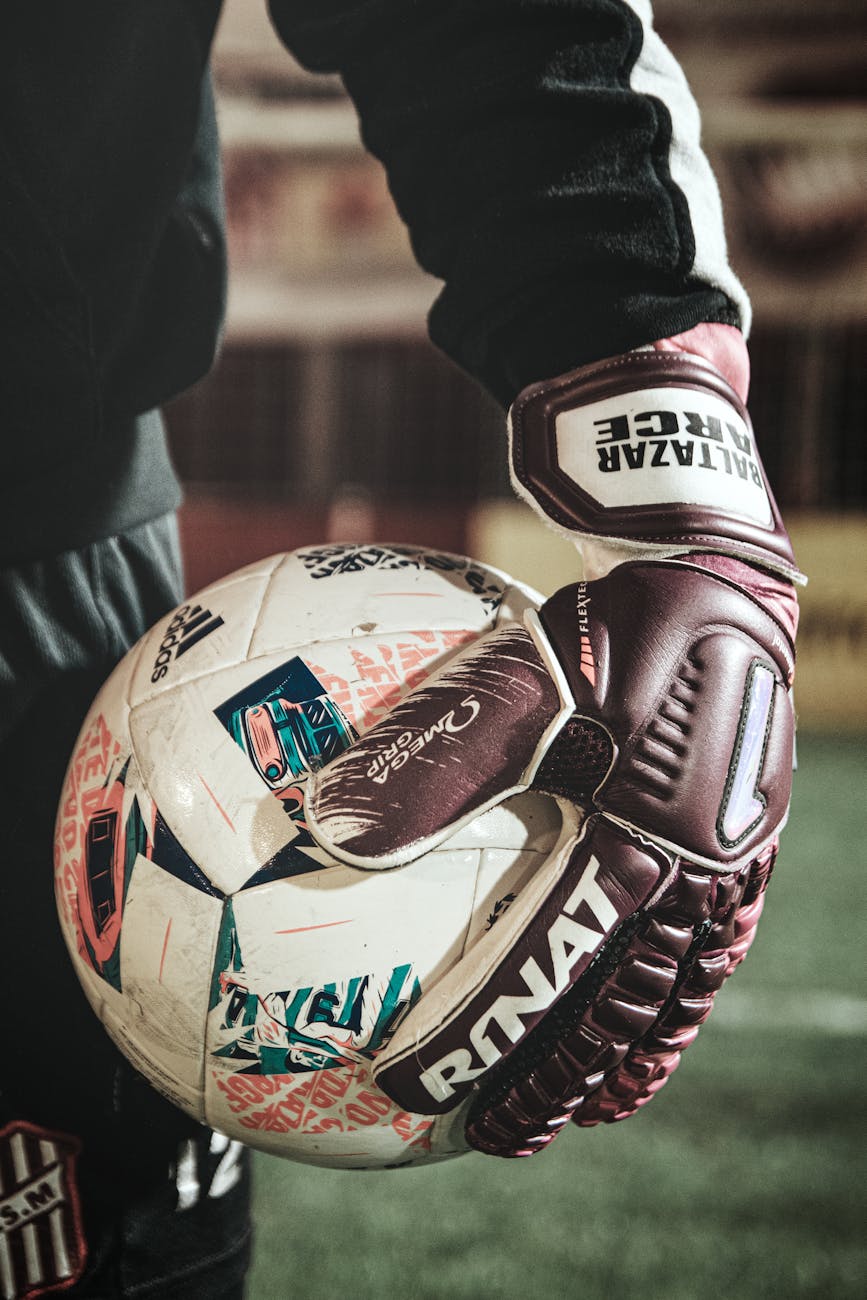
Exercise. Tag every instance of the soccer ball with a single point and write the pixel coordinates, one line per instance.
(247, 975)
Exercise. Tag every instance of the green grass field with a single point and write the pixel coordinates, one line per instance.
(744, 1178)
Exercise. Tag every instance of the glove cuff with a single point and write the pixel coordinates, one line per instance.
(652, 448)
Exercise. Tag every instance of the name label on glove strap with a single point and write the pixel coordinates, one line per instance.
(664, 446)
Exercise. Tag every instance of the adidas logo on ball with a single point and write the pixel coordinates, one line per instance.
(189, 626)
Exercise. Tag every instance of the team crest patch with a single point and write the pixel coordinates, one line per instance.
(42, 1246)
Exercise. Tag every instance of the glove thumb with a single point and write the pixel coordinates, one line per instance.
(472, 735)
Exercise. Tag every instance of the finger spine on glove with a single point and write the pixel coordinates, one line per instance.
(616, 1037)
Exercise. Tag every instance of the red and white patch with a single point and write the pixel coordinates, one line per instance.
(42, 1245)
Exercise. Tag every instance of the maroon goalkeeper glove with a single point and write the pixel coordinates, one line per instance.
(654, 703)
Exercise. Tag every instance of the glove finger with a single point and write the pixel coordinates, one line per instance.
(647, 1067)
(616, 1037)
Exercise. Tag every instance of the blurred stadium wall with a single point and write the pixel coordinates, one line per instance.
(330, 416)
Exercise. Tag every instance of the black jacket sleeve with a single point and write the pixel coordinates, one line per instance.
(533, 177)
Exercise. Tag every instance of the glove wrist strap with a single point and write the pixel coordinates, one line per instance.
(651, 448)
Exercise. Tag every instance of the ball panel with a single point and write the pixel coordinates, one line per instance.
(298, 998)
(528, 821)
(335, 1118)
(323, 593)
(124, 1029)
(514, 839)
(101, 827)
(209, 792)
(107, 832)
(312, 980)
(211, 630)
(311, 927)
(167, 954)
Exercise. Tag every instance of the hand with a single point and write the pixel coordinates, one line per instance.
(654, 704)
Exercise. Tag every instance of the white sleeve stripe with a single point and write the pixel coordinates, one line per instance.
(658, 74)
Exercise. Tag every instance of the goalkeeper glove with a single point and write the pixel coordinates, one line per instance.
(653, 700)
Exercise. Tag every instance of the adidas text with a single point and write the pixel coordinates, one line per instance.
(189, 625)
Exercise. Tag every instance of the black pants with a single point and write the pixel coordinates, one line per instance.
(100, 1179)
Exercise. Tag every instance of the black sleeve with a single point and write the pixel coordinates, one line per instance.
(533, 176)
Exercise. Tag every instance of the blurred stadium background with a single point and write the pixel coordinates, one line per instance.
(330, 417)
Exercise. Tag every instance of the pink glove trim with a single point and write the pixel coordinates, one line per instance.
(723, 346)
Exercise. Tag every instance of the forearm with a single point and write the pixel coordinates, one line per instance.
(544, 155)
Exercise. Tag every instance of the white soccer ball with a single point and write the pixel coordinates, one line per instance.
(247, 975)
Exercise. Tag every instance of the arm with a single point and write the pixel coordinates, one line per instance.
(545, 157)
